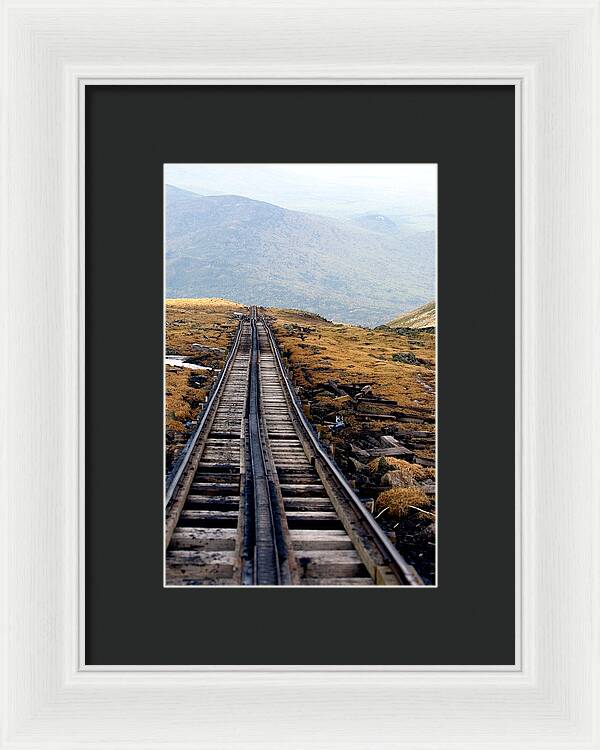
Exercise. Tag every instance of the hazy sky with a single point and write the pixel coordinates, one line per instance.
(339, 190)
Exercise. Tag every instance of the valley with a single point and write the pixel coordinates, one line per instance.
(234, 247)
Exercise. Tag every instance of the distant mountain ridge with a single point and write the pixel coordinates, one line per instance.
(422, 317)
(255, 252)
(376, 223)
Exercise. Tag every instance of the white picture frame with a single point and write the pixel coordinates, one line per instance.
(549, 49)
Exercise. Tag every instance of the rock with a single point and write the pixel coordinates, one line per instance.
(358, 466)
(407, 359)
(359, 452)
(336, 388)
(203, 348)
(398, 478)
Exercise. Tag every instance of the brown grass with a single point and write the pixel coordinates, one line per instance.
(391, 464)
(182, 400)
(398, 500)
(318, 350)
(210, 322)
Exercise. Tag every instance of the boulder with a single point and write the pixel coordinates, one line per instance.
(398, 478)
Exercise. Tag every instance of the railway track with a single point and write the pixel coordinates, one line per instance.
(256, 500)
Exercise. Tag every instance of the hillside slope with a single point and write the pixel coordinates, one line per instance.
(259, 253)
(422, 317)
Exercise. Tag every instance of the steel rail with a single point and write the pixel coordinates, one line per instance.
(403, 570)
(191, 444)
(266, 557)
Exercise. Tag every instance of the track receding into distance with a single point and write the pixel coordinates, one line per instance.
(256, 499)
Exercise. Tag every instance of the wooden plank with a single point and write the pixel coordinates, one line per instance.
(371, 417)
(215, 502)
(224, 483)
(348, 516)
(203, 539)
(320, 543)
(200, 557)
(377, 400)
(377, 452)
(316, 487)
(231, 499)
(200, 535)
(215, 488)
(353, 581)
(175, 578)
(425, 462)
(210, 513)
(215, 466)
(303, 490)
(384, 576)
(329, 563)
(299, 475)
(199, 564)
(307, 503)
(319, 515)
(209, 518)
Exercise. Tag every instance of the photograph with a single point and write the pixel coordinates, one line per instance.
(300, 405)
(301, 298)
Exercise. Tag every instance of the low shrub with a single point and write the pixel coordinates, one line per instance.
(396, 502)
(392, 464)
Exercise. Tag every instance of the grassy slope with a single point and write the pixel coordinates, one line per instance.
(193, 321)
(317, 352)
(422, 317)
(349, 353)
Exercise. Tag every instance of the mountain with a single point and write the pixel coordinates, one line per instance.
(255, 252)
(376, 223)
(422, 317)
